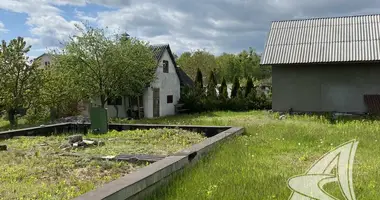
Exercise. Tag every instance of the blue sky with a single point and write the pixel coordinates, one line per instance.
(215, 25)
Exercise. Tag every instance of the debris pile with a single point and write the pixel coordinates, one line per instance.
(73, 119)
(75, 141)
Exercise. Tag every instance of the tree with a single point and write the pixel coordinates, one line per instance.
(244, 64)
(235, 87)
(228, 67)
(19, 79)
(199, 79)
(191, 61)
(223, 89)
(107, 67)
(59, 92)
(249, 87)
(211, 85)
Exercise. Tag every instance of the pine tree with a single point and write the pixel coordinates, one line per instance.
(199, 79)
(235, 87)
(223, 89)
(249, 87)
(211, 84)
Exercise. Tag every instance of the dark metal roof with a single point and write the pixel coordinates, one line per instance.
(324, 40)
(158, 50)
(184, 78)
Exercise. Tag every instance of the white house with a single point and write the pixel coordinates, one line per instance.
(159, 99)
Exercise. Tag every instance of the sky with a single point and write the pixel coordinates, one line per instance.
(214, 25)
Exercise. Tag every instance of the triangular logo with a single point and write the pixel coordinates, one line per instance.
(310, 185)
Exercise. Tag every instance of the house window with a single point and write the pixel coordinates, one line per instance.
(47, 63)
(165, 66)
(169, 99)
(115, 101)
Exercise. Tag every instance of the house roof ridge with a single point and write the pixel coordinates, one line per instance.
(331, 17)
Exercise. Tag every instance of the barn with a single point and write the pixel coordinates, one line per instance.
(325, 64)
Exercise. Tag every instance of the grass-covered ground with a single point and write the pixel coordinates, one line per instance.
(33, 169)
(258, 164)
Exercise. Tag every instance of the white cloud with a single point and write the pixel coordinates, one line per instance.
(111, 3)
(2, 27)
(217, 25)
(36, 7)
(85, 18)
(31, 41)
(108, 3)
(52, 29)
(44, 19)
(67, 2)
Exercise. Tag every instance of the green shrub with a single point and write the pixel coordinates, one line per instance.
(192, 99)
(37, 115)
(196, 100)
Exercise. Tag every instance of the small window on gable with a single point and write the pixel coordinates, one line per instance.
(169, 99)
(115, 101)
(165, 66)
(47, 63)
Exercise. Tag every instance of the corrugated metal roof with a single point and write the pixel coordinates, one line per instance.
(323, 40)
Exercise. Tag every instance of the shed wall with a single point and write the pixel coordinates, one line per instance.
(324, 87)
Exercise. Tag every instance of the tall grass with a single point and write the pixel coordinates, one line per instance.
(258, 164)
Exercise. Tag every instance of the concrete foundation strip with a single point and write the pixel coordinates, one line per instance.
(144, 181)
(141, 183)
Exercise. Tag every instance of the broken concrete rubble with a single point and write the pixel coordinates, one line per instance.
(75, 138)
(75, 141)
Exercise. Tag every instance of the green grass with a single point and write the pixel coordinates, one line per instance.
(154, 142)
(21, 123)
(258, 164)
(33, 169)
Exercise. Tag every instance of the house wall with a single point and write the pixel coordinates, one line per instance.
(324, 88)
(45, 58)
(148, 103)
(111, 110)
(169, 84)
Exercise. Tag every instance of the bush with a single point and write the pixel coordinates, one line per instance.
(196, 101)
(36, 115)
(192, 99)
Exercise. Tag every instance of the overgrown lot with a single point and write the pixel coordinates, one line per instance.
(33, 169)
(258, 164)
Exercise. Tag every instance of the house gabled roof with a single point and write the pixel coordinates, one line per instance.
(323, 40)
(41, 56)
(158, 51)
(184, 78)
